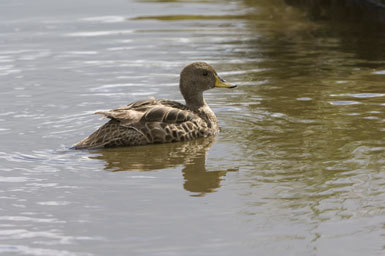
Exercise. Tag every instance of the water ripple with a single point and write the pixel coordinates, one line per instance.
(344, 103)
(105, 19)
(359, 95)
(99, 33)
(27, 250)
(242, 72)
(29, 219)
(18, 179)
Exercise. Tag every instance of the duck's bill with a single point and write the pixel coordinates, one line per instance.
(220, 83)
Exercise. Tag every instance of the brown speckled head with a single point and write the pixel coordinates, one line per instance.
(197, 78)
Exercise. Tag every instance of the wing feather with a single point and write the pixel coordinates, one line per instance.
(151, 110)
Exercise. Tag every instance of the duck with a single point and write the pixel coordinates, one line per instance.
(154, 121)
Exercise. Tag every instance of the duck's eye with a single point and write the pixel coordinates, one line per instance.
(205, 73)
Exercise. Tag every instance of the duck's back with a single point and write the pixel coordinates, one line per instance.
(146, 122)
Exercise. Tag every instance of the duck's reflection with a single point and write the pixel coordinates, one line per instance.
(191, 154)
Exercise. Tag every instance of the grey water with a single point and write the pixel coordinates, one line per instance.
(298, 168)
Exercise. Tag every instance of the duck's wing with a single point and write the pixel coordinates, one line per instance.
(173, 104)
(130, 113)
(146, 111)
(144, 122)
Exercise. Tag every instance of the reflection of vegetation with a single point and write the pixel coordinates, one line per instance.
(308, 146)
(191, 155)
(346, 10)
(311, 62)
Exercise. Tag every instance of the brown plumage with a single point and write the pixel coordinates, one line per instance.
(162, 121)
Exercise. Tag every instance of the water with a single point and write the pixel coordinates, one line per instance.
(296, 170)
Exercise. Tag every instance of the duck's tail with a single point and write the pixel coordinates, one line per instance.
(112, 134)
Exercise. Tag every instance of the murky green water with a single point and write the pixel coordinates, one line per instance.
(297, 168)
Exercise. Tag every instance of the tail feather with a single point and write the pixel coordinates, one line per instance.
(112, 134)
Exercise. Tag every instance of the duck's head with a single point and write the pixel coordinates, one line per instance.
(197, 78)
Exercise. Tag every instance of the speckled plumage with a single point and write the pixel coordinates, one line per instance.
(162, 121)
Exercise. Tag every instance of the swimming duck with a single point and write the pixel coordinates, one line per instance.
(162, 121)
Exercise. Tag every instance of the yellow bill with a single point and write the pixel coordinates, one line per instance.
(220, 83)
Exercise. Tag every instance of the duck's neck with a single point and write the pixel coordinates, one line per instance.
(195, 101)
(205, 112)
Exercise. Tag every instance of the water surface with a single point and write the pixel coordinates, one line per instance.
(296, 170)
